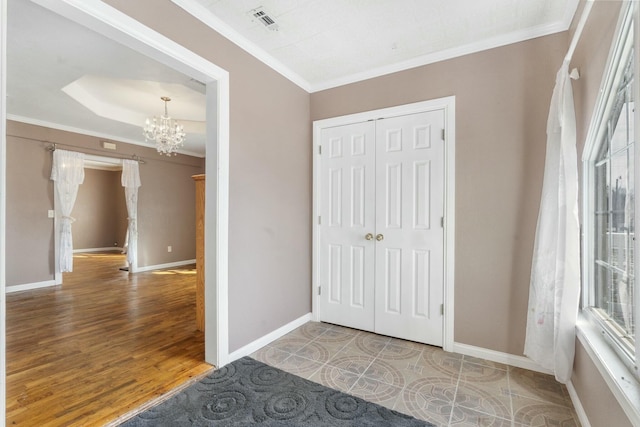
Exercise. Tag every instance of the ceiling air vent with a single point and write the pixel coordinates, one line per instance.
(264, 18)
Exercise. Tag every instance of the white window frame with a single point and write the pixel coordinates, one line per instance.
(619, 371)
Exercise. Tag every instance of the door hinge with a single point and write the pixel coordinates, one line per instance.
(442, 221)
(442, 309)
(319, 220)
(319, 290)
(443, 134)
(320, 149)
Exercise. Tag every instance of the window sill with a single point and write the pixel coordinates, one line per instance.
(622, 382)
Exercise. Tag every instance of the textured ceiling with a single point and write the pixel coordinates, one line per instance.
(325, 43)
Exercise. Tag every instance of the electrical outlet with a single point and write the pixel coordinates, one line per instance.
(169, 248)
(51, 213)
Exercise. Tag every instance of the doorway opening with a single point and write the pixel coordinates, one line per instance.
(117, 26)
(100, 213)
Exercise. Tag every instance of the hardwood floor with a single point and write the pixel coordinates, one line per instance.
(101, 345)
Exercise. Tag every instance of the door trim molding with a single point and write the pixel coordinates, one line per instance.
(447, 105)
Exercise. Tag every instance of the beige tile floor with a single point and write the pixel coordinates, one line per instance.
(444, 388)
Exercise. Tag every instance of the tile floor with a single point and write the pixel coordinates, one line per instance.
(444, 388)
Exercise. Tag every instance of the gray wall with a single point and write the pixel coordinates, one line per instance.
(502, 101)
(590, 58)
(270, 177)
(166, 204)
(98, 211)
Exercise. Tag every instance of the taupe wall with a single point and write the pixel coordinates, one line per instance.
(270, 177)
(29, 197)
(166, 202)
(502, 101)
(98, 213)
(590, 58)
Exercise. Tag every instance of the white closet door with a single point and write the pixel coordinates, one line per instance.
(348, 214)
(409, 269)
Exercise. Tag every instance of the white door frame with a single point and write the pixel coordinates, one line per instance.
(446, 104)
(118, 26)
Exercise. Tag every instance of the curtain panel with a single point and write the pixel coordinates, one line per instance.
(554, 290)
(131, 182)
(67, 173)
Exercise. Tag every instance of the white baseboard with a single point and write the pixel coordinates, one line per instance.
(107, 249)
(500, 357)
(167, 265)
(577, 405)
(30, 286)
(269, 338)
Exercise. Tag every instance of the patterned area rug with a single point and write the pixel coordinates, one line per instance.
(247, 392)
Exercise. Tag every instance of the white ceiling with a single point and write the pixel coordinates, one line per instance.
(63, 75)
(325, 43)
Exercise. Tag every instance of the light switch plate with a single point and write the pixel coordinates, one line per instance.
(51, 213)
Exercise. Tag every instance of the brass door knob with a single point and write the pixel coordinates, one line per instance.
(379, 237)
(369, 236)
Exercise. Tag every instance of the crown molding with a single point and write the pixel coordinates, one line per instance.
(208, 18)
(443, 55)
(52, 125)
(203, 14)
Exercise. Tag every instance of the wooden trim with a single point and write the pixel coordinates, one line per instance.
(200, 264)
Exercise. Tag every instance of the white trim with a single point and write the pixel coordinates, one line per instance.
(269, 338)
(624, 386)
(449, 222)
(578, 32)
(165, 266)
(601, 109)
(105, 249)
(443, 55)
(447, 104)
(499, 357)
(577, 405)
(52, 125)
(30, 286)
(208, 18)
(636, 166)
(123, 29)
(212, 21)
(623, 382)
(3, 211)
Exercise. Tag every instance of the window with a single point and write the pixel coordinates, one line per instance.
(610, 294)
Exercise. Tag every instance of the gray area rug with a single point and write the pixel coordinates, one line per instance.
(247, 392)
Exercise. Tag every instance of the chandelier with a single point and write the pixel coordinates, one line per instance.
(167, 134)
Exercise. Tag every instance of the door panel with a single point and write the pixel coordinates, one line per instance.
(348, 204)
(384, 177)
(409, 260)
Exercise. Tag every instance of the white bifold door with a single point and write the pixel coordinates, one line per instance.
(381, 226)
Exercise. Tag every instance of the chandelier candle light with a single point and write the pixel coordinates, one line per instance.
(167, 133)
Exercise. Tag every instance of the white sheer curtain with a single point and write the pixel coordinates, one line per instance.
(68, 174)
(555, 276)
(131, 182)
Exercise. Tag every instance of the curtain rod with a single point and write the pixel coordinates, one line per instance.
(54, 145)
(576, 36)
